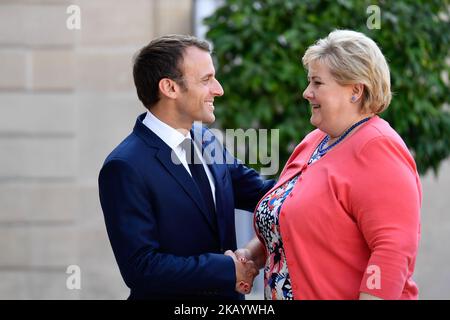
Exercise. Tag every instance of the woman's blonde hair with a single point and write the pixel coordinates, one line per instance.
(353, 58)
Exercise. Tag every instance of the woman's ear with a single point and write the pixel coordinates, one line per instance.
(357, 92)
(168, 88)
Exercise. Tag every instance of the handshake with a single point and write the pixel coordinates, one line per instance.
(246, 269)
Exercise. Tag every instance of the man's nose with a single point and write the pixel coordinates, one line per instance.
(217, 89)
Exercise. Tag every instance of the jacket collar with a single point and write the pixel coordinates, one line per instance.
(178, 172)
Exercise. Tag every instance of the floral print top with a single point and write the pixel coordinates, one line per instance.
(277, 285)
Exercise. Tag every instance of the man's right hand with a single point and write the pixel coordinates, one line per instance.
(246, 272)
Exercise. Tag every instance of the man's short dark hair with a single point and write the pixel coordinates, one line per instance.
(161, 58)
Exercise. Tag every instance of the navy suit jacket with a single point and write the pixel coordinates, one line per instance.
(164, 242)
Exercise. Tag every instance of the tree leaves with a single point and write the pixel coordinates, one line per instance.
(259, 45)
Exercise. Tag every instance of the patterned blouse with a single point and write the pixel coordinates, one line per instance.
(277, 284)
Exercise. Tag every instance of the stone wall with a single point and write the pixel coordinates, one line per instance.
(66, 99)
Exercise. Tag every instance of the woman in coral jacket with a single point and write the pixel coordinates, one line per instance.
(343, 221)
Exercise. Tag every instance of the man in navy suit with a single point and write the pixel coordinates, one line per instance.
(171, 221)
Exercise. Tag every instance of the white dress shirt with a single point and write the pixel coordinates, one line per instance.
(173, 138)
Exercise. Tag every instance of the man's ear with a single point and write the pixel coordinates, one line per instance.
(168, 88)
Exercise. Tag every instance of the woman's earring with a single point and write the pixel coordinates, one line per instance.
(353, 98)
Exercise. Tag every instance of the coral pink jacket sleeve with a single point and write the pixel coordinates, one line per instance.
(386, 199)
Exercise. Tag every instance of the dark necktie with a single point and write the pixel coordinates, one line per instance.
(199, 175)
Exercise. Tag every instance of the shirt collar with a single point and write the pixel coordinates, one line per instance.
(169, 135)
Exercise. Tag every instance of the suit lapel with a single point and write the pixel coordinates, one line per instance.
(218, 174)
(177, 171)
(183, 178)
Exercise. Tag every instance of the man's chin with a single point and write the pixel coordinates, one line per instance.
(209, 119)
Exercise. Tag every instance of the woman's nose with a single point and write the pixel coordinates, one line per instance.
(307, 94)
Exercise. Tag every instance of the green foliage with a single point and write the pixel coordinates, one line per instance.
(259, 44)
